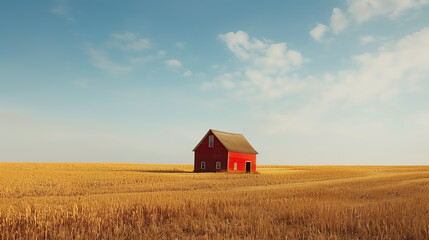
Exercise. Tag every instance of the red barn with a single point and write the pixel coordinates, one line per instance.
(222, 151)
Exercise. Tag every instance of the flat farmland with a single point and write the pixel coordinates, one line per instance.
(144, 201)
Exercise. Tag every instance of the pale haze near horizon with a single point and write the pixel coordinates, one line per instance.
(306, 82)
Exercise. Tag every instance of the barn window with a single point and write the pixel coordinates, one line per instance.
(217, 165)
(203, 165)
(235, 166)
(211, 141)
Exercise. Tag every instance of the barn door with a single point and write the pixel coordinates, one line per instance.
(248, 166)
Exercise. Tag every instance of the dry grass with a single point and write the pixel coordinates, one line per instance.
(135, 201)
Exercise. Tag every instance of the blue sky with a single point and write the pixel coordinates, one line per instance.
(307, 82)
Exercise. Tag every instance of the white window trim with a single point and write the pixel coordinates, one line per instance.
(203, 165)
(211, 141)
(218, 165)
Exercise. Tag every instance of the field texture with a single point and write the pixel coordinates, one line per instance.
(136, 201)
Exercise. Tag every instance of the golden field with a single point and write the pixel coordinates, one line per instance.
(142, 201)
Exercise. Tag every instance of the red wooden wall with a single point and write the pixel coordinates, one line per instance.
(210, 155)
(241, 159)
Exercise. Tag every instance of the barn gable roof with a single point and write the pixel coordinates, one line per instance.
(233, 142)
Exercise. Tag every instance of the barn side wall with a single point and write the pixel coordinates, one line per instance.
(210, 155)
(241, 159)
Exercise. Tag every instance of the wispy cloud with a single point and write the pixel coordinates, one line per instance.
(420, 119)
(378, 78)
(173, 63)
(265, 72)
(141, 60)
(130, 41)
(127, 36)
(125, 45)
(80, 82)
(62, 9)
(386, 73)
(188, 73)
(162, 53)
(318, 32)
(338, 23)
(102, 62)
(226, 80)
(338, 20)
(367, 39)
(271, 57)
(264, 67)
(364, 10)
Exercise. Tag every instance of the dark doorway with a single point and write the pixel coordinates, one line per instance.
(248, 164)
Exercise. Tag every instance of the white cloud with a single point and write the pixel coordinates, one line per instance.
(264, 70)
(384, 74)
(377, 80)
(367, 39)
(180, 44)
(188, 73)
(162, 53)
(338, 20)
(240, 44)
(355, 96)
(226, 80)
(173, 63)
(100, 61)
(295, 58)
(318, 32)
(269, 86)
(130, 41)
(268, 57)
(363, 10)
